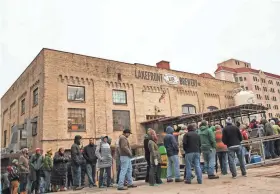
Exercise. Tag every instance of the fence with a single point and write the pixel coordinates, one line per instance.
(263, 147)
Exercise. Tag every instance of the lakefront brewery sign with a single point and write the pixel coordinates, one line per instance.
(168, 78)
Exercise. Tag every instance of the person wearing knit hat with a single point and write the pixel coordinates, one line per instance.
(13, 175)
(77, 160)
(23, 170)
(232, 138)
(147, 154)
(221, 150)
(47, 168)
(36, 164)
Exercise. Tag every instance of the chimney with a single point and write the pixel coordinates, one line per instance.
(163, 65)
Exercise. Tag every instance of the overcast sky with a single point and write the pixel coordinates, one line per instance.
(194, 35)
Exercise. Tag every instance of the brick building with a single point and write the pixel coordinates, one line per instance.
(265, 85)
(65, 94)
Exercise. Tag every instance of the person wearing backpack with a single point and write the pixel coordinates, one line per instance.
(104, 162)
(208, 149)
(48, 166)
(13, 176)
(91, 159)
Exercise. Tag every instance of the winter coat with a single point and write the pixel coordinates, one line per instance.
(154, 152)
(268, 130)
(276, 129)
(124, 147)
(89, 154)
(220, 146)
(48, 164)
(146, 147)
(59, 172)
(207, 139)
(36, 162)
(76, 155)
(117, 153)
(231, 136)
(13, 174)
(104, 155)
(170, 142)
(191, 142)
(5, 183)
(260, 131)
(180, 141)
(23, 165)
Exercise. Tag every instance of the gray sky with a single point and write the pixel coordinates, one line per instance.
(194, 35)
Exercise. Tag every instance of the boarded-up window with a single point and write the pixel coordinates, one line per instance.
(121, 120)
(76, 119)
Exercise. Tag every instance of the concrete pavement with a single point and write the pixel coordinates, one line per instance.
(263, 180)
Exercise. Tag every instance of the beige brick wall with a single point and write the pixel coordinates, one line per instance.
(99, 77)
(23, 87)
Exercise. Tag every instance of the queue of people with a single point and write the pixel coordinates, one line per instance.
(44, 174)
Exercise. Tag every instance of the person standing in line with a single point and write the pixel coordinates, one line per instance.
(69, 174)
(269, 145)
(276, 130)
(76, 158)
(208, 149)
(47, 168)
(36, 164)
(155, 160)
(13, 176)
(104, 162)
(23, 170)
(91, 159)
(191, 146)
(59, 173)
(172, 150)
(147, 155)
(5, 183)
(83, 168)
(221, 150)
(125, 158)
(232, 139)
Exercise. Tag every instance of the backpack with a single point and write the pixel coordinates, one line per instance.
(13, 173)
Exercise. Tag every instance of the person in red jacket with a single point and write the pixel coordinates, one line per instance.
(245, 136)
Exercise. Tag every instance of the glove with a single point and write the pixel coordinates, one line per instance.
(156, 162)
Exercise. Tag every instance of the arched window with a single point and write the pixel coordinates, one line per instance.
(212, 108)
(188, 109)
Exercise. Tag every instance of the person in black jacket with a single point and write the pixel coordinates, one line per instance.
(232, 138)
(76, 157)
(91, 159)
(191, 146)
(147, 155)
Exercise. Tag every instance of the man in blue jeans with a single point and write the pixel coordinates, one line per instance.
(125, 161)
(91, 159)
(172, 150)
(232, 138)
(191, 146)
(208, 149)
(76, 157)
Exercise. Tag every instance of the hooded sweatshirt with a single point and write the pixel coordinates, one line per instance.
(170, 142)
(207, 139)
(76, 155)
(153, 148)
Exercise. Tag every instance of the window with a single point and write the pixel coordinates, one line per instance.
(276, 107)
(263, 80)
(76, 119)
(34, 123)
(35, 97)
(245, 78)
(272, 90)
(246, 88)
(265, 89)
(121, 120)
(212, 108)
(22, 106)
(278, 83)
(236, 79)
(259, 96)
(152, 117)
(255, 79)
(5, 138)
(76, 93)
(240, 79)
(270, 82)
(257, 87)
(242, 87)
(119, 77)
(188, 109)
(266, 97)
(268, 106)
(270, 115)
(274, 98)
(119, 97)
(237, 62)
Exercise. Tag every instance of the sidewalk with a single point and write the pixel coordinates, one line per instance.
(263, 180)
